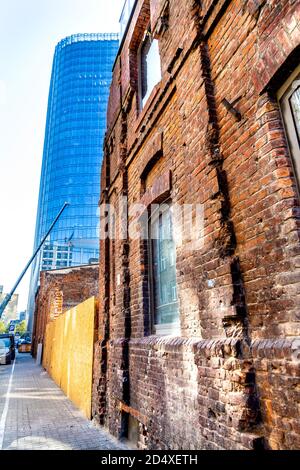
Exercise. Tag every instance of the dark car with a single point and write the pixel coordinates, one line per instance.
(11, 338)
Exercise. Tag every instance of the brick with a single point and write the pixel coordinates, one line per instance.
(238, 292)
(59, 291)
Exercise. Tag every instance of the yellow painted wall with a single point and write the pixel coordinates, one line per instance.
(68, 353)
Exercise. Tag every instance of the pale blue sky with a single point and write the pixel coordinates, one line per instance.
(29, 31)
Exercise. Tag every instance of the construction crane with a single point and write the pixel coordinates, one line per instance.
(8, 297)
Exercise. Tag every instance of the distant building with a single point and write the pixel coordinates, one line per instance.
(60, 290)
(75, 127)
(22, 315)
(10, 313)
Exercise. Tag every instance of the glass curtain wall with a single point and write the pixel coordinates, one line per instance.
(75, 128)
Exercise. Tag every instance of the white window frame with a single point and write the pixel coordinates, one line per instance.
(143, 100)
(160, 329)
(283, 96)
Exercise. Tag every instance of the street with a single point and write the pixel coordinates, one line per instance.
(36, 415)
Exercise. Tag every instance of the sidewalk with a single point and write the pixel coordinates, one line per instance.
(36, 415)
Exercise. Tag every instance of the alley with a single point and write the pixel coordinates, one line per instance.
(35, 414)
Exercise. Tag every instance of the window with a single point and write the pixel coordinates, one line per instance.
(163, 273)
(289, 99)
(149, 67)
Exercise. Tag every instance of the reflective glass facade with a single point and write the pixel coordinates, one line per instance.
(75, 128)
(125, 15)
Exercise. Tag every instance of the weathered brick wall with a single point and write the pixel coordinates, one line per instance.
(59, 291)
(276, 364)
(230, 380)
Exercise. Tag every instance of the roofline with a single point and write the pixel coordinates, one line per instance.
(70, 268)
(86, 37)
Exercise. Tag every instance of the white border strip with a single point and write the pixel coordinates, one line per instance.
(6, 407)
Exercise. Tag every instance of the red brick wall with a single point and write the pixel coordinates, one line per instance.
(59, 291)
(226, 382)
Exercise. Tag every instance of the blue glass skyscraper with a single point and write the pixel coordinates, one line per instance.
(75, 127)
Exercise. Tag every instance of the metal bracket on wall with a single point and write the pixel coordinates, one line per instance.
(230, 107)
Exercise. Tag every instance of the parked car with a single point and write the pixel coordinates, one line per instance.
(24, 346)
(11, 338)
(5, 351)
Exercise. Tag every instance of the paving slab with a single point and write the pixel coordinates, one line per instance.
(35, 414)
